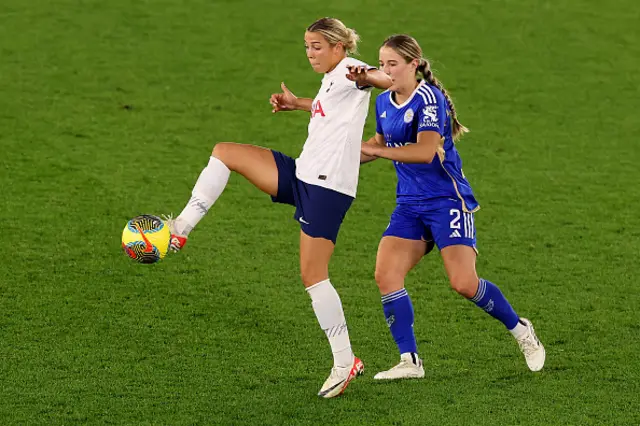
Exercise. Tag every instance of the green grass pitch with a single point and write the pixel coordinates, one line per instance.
(109, 109)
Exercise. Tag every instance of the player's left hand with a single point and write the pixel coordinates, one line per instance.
(370, 150)
(358, 73)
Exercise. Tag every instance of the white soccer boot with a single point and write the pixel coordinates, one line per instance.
(410, 367)
(177, 242)
(340, 378)
(531, 347)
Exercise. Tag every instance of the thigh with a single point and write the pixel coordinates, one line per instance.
(315, 254)
(395, 258)
(255, 163)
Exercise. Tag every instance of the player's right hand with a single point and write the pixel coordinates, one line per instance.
(285, 101)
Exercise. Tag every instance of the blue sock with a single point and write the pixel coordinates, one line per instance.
(398, 312)
(490, 299)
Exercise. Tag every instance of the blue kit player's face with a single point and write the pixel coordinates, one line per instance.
(403, 74)
(322, 56)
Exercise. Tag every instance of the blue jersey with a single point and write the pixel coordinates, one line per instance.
(426, 184)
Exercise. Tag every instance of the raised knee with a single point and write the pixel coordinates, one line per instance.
(220, 150)
(466, 286)
(224, 152)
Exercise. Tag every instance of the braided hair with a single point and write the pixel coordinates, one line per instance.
(407, 47)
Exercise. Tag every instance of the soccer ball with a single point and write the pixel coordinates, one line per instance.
(146, 238)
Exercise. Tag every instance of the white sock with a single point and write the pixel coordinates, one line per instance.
(328, 308)
(519, 330)
(206, 191)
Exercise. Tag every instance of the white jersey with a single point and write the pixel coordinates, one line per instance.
(331, 155)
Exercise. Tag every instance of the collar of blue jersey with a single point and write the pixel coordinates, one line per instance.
(405, 103)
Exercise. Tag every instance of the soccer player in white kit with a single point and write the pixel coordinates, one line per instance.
(321, 183)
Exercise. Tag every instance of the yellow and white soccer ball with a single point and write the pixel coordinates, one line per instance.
(146, 238)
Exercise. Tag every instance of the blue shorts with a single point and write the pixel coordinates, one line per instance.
(320, 211)
(445, 225)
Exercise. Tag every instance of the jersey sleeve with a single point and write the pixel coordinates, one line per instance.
(433, 113)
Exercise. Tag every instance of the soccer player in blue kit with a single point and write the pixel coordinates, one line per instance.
(416, 129)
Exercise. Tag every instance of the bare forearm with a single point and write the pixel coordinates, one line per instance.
(364, 158)
(378, 79)
(304, 104)
(412, 153)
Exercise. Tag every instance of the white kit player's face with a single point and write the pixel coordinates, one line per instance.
(403, 74)
(322, 56)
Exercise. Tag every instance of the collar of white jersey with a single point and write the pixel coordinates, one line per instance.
(339, 65)
(393, 102)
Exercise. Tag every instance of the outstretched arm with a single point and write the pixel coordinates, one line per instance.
(421, 152)
(304, 104)
(365, 77)
(378, 79)
(287, 101)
